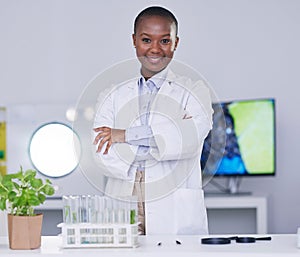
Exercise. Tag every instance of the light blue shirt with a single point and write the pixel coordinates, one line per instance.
(142, 135)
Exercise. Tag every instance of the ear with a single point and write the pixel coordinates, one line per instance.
(176, 43)
(134, 40)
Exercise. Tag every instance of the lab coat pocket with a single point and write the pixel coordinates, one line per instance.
(190, 212)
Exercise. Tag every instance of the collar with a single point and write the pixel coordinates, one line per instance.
(158, 79)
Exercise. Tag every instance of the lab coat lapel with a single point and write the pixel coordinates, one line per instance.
(128, 112)
(160, 102)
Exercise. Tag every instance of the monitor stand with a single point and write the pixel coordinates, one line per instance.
(232, 188)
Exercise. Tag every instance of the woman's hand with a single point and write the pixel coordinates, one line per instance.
(109, 136)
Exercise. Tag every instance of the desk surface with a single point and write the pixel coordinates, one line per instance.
(281, 245)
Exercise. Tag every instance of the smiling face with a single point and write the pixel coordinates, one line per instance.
(155, 41)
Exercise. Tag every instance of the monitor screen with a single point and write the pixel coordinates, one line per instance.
(242, 141)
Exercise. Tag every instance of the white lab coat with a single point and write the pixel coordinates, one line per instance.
(174, 197)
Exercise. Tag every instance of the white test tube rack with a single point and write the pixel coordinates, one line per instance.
(90, 235)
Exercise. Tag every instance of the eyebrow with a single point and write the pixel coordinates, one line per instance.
(145, 34)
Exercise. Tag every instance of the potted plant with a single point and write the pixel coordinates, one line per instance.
(19, 193)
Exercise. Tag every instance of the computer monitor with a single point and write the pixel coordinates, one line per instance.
(242, 141)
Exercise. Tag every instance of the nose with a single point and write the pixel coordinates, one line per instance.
(155, 47)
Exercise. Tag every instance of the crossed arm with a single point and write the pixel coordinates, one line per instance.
(108, 136)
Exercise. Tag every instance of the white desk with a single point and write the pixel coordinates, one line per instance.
(242, 202)
(281, 245)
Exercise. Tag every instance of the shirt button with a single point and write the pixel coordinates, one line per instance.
(136, 136)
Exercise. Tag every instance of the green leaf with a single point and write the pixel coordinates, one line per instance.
(12, 176)
(11, 196)
(8, 184)
(36, 183)
(42, 198)
(20, 201)
(29, 174)
(3, 190)
(30, 192)
(48, 181)
(34, 200)
(48, 190)
(2, 204)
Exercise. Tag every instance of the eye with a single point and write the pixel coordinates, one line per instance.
(165, 41)
(146, 40)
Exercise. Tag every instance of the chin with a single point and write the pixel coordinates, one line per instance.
(154, 68)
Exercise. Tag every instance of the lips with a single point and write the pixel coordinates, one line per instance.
(154, 59)
(153, 64)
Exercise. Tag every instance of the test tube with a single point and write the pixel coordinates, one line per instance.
(70, 215)
(92, 217)
(133, 200)
(122, 211)
(100, 218)
(100, 209)
(133, 212)
(114, 211)
(84, 218)
(75, 208)
(83, 209)
(67, 218)
(66, 209)
(107, 210)
(108, 218)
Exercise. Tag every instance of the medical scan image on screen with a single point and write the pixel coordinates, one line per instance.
(242, 141)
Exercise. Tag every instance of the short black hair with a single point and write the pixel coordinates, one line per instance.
(155, 11)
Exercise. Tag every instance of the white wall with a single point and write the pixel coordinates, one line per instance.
(50, 50)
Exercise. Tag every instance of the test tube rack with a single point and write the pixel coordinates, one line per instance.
(89, 235)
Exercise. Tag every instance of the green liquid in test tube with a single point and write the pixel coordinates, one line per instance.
(132, 216)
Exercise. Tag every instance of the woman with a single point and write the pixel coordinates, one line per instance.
(152, 149)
